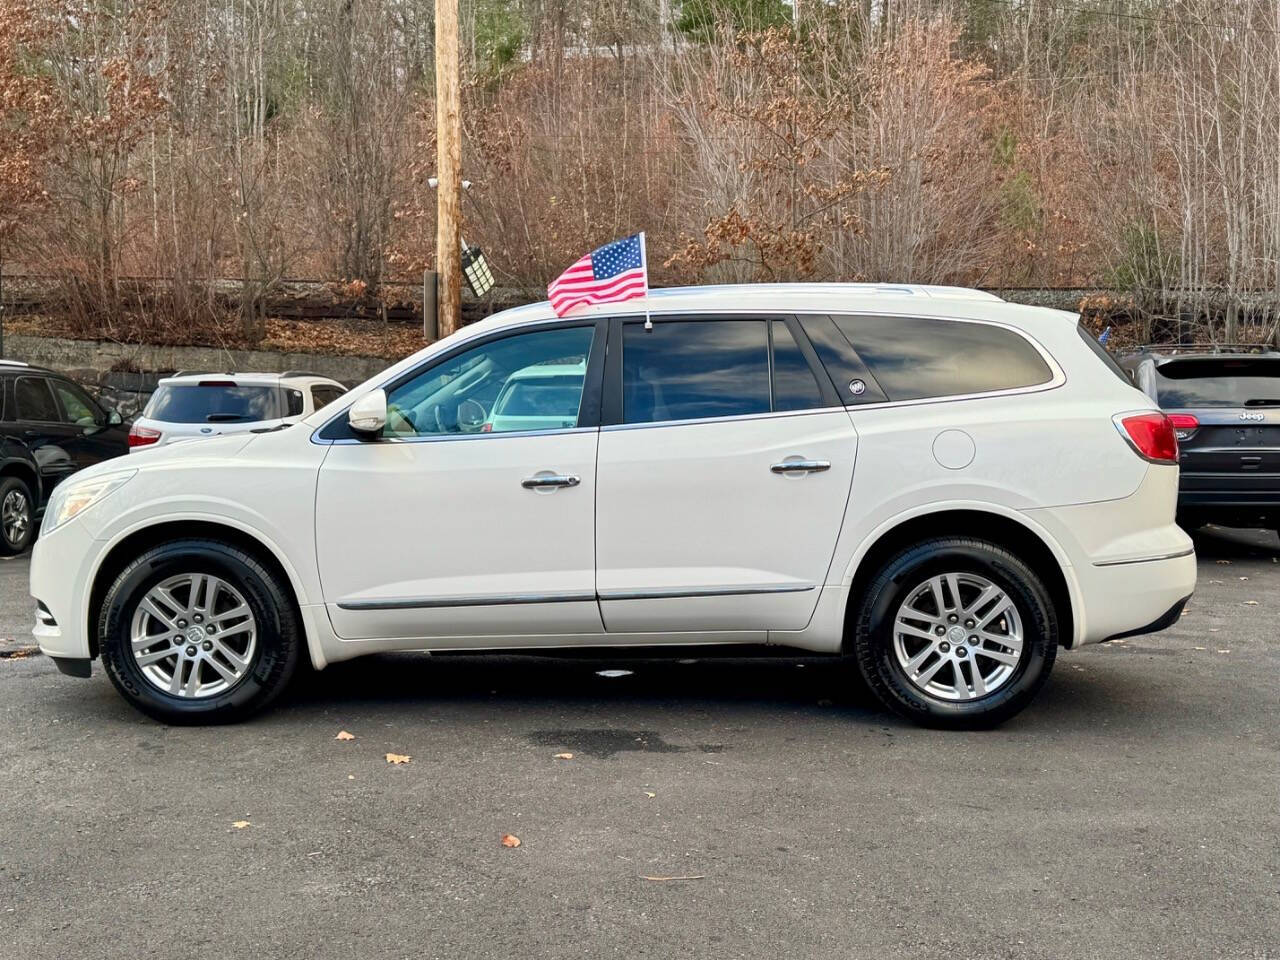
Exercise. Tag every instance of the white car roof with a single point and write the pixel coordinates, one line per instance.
(247, 379)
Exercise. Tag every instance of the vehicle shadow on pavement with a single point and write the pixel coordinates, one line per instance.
(1229, 543)
(809, 688)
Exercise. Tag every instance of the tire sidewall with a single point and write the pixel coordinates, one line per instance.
(7, 486)
(276, 652)
(902, 576)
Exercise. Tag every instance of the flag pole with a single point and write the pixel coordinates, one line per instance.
(644, 262)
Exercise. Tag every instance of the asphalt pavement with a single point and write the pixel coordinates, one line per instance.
(713, 808)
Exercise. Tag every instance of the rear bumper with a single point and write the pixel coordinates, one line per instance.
(1126, 599)
(1240, 491)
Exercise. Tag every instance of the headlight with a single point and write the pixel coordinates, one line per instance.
(72, 499)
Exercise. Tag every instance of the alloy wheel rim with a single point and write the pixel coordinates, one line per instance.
(193, 636)
(15, 515)
(958, 637)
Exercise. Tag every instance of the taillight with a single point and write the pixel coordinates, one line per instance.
(1184, 424)
(1151, 435)
(142, 436)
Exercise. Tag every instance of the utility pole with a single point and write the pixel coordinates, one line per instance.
(448, 168)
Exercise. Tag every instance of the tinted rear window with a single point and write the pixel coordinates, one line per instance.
(914, 359)
(189, 403)
(1219, 382)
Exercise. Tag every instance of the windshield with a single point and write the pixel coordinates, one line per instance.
(1219, 382)
(193, 403)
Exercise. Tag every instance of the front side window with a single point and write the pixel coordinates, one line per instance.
(531, 381)
(77, 408)
(914, 359)
(34, 401)
(694, 369)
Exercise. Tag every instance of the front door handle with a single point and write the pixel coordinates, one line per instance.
(538, 483)
(801, 466)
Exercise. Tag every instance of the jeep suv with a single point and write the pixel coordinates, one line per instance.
(1225, 405)
(945, 487)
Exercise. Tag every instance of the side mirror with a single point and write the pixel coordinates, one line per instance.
(368, 415)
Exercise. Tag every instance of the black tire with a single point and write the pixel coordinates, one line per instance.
(873, 622)
(14, 493)
(278, 638)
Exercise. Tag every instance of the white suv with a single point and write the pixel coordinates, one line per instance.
(193, 406)
(942, 485)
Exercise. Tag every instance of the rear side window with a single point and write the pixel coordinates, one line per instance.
(794, 385)
(322, 394)
(1219, 382)
(1103, 354)
(916, 359)
(35, 401)
(293, 402)
(216, 403)
(694, 369)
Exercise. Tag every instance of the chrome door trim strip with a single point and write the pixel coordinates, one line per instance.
(427, 603)
(706, 592)
(1166, 556)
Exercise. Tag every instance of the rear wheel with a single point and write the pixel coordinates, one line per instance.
(198, 632)
(17, 516)
(955, 632)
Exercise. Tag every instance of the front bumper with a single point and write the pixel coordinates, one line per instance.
(61, 565)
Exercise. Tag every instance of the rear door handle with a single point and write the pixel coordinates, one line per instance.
(801, 466)
(538, 483)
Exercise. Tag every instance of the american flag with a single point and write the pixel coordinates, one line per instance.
(616, 271)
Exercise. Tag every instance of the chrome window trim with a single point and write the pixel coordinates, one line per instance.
(771, 415)
(1058, 379)
(448, 437)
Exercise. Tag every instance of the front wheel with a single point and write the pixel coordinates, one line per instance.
(955, 632)
(198, 631)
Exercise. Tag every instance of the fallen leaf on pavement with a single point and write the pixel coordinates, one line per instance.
(398, 758)
(650, 795)
(691, 876)
(1244, 578)
(1224, 651)
(343, 735)
(1251, 603)
(1225, 562)
(510, 840)
(564, 756)
(240, 824)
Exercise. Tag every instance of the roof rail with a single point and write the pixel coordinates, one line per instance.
(1204, 348)
(204, 373)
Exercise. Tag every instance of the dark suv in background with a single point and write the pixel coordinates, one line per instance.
(1224, 401)
(49, 428)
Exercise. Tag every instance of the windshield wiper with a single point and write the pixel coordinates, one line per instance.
(1263, 402)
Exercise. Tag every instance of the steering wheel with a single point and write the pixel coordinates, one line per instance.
(471, 415)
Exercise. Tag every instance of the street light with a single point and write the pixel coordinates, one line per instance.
(475, 268)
